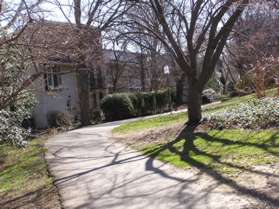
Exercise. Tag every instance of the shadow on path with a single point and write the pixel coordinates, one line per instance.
(188, 138)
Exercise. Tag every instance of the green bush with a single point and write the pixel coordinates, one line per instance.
(256, 114)
(136, 102)
(162, 99)
(127, 105)
(148, 103)
(117, 107)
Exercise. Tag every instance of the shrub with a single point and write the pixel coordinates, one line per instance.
(162, 99)
(59, 119)
(148, 103)
(208, 96)
(117, 107)
(136, 102)
(127, 105)
(11, 131)
(256, 114)
(11, 119)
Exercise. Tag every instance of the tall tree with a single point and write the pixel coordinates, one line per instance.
(192, 31)
(87, 16)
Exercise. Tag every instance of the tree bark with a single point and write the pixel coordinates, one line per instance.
(180, 89)
(194, 106)
(142, 72)
(142, 78)
(83, 92)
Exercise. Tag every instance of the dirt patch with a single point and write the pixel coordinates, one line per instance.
(152, 136)
(155, 136)
(45, 198)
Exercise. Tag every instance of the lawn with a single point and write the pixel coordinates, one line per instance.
(227, 151)
(224, 151)
(24, 179)
(179, 118)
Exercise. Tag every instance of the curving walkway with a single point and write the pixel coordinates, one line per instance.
(94, 171)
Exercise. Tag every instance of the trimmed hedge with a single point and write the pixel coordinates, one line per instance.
(117, 107)
(127, 105)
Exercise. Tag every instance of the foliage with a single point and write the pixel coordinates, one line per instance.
(255, 114)
(209, 95)
(59, 119)
(127, 105)
(11, 119)
(13, 72)
(179, 118)
(117, 107)
(16, 103)
(214, 83)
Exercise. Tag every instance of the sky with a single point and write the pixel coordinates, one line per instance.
(50, 8)
(53, 12)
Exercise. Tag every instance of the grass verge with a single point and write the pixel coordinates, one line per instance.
(227, 151)
(24, 179)
(179, 118)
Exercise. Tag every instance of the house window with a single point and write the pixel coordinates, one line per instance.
(53, 79)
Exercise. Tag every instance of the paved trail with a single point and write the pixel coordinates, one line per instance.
(94, 171)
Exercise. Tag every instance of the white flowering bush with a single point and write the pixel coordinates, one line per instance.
(256, 114)
(11, 130)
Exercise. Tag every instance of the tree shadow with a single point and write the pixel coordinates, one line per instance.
(187, 137)
(44, 197)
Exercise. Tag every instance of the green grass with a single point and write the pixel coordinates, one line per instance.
(23, 170)
(228, 151)
(178, 118)
(150, 123)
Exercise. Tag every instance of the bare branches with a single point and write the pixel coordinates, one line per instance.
(15, 76)
(14, 17)
(194, 32)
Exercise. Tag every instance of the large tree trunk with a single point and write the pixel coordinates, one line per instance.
(142, 73)
(180, 89)
(83, 92)
(194, 106)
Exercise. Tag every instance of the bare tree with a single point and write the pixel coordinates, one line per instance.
(255, 36)
(149, 47)
(117, 65)
(87, 16)
(15, 61)
(192, 30)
